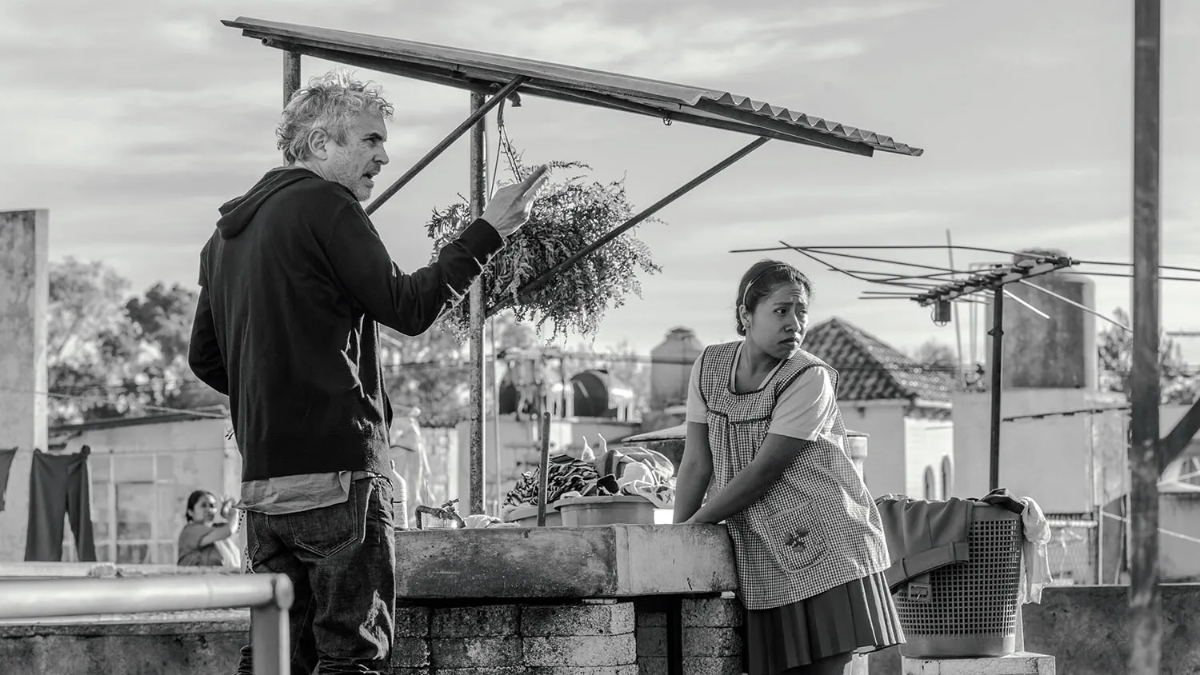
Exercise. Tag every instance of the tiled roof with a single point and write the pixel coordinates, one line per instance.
(871, 369)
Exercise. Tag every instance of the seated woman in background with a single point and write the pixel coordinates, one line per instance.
(204, 544)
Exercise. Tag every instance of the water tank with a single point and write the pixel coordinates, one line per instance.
(598, 394)
(671, 366)
(1054, 353)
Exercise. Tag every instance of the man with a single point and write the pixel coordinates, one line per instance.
(293, 284)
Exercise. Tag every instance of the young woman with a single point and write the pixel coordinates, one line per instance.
(765, 430)
(203, 544)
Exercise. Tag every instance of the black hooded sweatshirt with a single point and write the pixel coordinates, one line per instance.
(292, 284)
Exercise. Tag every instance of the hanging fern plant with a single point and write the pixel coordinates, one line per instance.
(570, 213)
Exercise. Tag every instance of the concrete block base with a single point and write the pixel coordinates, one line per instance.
(1021, 663)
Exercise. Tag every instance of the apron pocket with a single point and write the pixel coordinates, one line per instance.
(795, 538)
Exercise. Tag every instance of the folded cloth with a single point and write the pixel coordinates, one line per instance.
(1035, 563)
(659, 465)
(636, 473)
(662, 496)
(478, 521)
(923, 536)
(604, 485)
(1004, 499)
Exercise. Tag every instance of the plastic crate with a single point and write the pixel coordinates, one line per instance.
(971, 609)
(526, 516)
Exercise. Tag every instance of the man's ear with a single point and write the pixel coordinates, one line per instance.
(318, 141)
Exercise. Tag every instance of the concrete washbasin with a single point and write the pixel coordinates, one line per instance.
(601, 561)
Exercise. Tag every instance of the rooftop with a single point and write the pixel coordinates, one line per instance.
(871, 369)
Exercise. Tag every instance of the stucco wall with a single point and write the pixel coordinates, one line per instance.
(927, 443)
(24, 297)
(884, 471)
(1061, 461)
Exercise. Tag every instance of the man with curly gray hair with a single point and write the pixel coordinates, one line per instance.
(293, 283)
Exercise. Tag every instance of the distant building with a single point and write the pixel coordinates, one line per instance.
(903, 407)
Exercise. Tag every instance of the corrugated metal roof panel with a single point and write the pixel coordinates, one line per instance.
(472, 69)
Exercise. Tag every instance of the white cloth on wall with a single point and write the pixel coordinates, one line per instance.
(1035, 561)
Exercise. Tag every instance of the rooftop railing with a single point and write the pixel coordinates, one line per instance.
(269, 597)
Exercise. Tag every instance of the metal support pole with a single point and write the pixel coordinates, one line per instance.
(548, 275)
(1145, 601)
(997, 333)
(291, 75)
(478, 417)
(269, 635)
(543, 469)
(473, 121)
(498, 460)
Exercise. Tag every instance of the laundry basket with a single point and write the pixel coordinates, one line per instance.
(971, 608)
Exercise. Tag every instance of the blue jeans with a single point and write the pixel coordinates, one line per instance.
(341, 560)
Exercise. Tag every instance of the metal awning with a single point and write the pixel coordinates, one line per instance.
(483, 72)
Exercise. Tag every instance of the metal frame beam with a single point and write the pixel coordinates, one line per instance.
(1174, 443)
(479, 197)
(997, 367)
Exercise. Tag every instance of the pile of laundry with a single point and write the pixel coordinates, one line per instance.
(628, 471)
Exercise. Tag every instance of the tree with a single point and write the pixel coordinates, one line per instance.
(112, 356)
(428, 372)
(936, 355)
(89, 340)
(1115, 348)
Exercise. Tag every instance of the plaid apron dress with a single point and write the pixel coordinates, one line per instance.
(817, 527)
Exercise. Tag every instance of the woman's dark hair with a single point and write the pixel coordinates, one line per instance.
(761, 280)
(193, 498)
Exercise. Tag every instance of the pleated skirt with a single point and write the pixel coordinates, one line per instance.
(856, 617)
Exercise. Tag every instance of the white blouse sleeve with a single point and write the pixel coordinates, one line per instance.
(697, 410)
(804, 408)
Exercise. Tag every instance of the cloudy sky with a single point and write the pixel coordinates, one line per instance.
(133, 120)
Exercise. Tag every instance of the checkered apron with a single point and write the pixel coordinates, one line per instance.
(816, 527)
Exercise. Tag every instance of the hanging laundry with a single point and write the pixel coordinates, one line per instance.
(1035, 563)
(6, 460)
(59, 486)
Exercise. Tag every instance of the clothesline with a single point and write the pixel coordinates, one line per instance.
(97, 398)
(1169, 533)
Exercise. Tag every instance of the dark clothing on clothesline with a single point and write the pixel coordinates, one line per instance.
(59, 485)
(6, 460)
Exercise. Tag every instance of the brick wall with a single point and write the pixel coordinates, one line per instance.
(712, 640)
(575, 639)
(587, 638)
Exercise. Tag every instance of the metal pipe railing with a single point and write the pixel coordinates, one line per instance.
(269, 597)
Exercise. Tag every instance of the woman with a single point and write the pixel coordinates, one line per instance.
(764, 428)
(202, 544)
